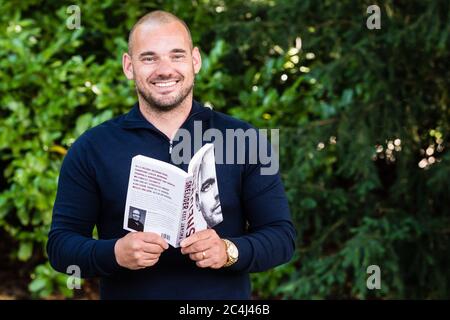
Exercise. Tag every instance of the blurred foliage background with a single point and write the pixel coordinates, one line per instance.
(363, 118)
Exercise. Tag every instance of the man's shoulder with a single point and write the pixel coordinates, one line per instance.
(106, 126)
(100, 132)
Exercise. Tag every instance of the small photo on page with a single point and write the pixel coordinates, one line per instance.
(136, 218)
(206, 197)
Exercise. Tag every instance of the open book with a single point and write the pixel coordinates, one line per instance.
(165, 199)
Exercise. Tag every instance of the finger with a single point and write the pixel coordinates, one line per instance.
(149, 256)
(151, 248)
(200, 245)
(151, 237)
(144, 263)
(200, 235)
(217, 265)
(205, 263)
(198, 256)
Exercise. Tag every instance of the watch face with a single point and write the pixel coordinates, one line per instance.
(233, 252)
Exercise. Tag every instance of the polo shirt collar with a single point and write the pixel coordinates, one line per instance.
(136, 120)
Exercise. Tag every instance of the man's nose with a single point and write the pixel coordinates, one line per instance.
(164, 68)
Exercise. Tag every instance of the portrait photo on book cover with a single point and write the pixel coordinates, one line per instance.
(136, 218)
(206, 195)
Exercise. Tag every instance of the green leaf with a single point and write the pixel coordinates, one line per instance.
(25, 250)
(83, 123)
(309, 203)
(38, 284)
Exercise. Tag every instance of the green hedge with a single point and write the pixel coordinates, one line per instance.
(358, 196)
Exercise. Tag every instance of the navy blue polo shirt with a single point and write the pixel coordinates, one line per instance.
(92, 190)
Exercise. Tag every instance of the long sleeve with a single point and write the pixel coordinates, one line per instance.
(74, 216)
(270, 240)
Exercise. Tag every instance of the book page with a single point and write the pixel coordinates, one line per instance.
(187, 213)
(207, 207)
(154, 198)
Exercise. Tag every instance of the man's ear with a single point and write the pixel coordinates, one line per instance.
(127, 66)
(197, 60)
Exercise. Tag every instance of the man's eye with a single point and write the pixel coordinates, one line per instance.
(206, 187)
(178, 57)
(149, 59)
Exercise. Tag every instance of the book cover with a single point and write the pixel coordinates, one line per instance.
(165, 199)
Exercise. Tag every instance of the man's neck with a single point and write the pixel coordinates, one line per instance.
(168, 122)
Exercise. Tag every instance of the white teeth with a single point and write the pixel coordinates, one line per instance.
(165, 84)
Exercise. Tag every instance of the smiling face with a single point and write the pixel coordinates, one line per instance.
(136, 215)
(163, 64)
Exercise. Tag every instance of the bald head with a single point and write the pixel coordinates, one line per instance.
(158, 17)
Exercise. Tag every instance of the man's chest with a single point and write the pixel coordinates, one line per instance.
(113, 176)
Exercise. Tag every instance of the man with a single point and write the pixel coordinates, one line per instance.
(255, 235)
(207, 194)
(134, 220)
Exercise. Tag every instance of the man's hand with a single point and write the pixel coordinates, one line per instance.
(206, 248)
(138, 250)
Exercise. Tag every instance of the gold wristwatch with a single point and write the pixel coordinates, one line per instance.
(232, 253)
